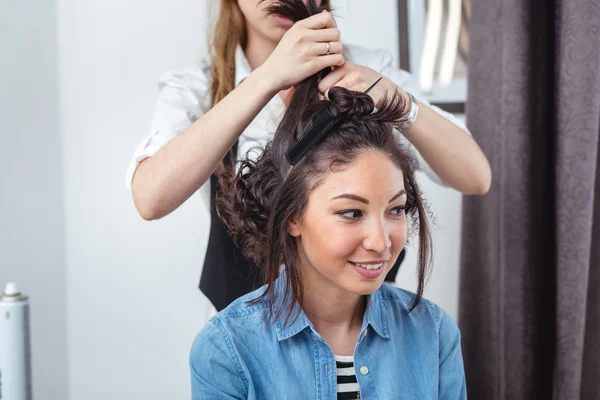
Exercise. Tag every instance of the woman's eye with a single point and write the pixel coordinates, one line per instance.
(397, 211)
(350, 214)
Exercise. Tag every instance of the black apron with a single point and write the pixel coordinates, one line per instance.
(228, 274)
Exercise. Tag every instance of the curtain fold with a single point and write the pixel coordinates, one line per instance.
(529, 304)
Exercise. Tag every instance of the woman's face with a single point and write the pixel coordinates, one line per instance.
(261, 24)
(354, 226)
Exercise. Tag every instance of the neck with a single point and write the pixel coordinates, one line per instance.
(333, 313)
(257, 49)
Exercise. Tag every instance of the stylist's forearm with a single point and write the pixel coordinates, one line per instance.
(164, 181)
(450, 151)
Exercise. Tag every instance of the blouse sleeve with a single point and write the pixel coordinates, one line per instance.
(183, 98)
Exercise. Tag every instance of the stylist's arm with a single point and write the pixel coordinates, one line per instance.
(448, 149)
(168, 178)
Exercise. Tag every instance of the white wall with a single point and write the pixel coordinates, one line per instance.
(132, 304)
(32, 228)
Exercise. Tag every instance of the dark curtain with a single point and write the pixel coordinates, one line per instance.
(530, 275)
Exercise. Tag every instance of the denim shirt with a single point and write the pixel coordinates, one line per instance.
(238, 355)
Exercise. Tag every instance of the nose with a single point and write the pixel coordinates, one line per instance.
(377, 236)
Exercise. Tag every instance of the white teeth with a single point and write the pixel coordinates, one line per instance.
(370, 266)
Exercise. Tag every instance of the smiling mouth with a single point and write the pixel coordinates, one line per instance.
(370, 265)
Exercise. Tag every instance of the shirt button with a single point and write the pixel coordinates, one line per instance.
(365, 332)
(364, 370)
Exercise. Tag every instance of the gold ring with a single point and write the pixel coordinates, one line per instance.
(328, 49)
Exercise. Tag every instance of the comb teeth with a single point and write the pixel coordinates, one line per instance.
(322, 120)
(311, 138)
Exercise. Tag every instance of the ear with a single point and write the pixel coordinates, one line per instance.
(293, 227)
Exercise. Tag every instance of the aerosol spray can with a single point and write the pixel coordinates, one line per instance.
(15, 357)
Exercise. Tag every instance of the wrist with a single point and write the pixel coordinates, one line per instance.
(265, 81)
(413, 112)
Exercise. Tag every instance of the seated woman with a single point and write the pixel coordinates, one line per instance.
(325, 211)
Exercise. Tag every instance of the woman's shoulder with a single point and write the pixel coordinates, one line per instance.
(241, 315)
(196, 77)
(398, 301)
(218, 351)
(245, 306)
(240, 322)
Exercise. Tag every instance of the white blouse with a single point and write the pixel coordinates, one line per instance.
(184, 96)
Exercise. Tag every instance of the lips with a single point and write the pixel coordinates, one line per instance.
(282, 21)
(369, 266)
(369, 270)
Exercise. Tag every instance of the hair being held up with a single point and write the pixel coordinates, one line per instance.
(264, 194)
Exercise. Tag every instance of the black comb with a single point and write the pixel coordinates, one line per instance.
(321, 127)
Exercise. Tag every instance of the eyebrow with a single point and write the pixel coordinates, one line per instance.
(362, 199)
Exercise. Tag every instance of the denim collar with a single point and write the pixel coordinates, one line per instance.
(374, 315)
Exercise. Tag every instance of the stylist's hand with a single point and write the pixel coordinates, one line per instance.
(302, 51)
(359, 78)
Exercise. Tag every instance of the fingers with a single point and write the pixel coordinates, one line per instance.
(331, 79)
(327, 38)
(319, 21)
(344, 77)
(331, 60)
(325, 35)
(333, 19)
(321, 49)
(345, 83)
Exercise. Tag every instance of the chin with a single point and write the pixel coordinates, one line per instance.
(365, 288)
(276, 35)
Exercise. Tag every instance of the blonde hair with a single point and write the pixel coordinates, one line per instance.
(229, 31)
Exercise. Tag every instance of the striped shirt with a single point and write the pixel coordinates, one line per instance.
(347, 385)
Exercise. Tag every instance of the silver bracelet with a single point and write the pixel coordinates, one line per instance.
(412, 115)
